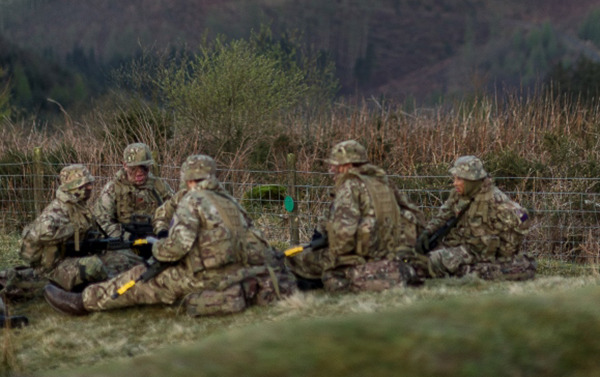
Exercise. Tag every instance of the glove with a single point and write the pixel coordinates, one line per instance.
(162, 234)
(316, 235)
(422, 245)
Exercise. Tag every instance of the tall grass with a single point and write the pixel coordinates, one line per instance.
(516, 134)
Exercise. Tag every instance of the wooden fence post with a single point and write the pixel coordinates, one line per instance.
(155, 166)
(294, 231)
(38, 180)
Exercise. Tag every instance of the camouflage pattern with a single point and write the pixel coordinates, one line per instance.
(198, 167)
(67, 218)
(20, 283)
(347, 152)
(74, 176)
(469, 168)
(209, 302)
(212, 245)
(120, 199)
(490, 231)
(368, 221)
(369, 277)
(164, 214)
(137, 154)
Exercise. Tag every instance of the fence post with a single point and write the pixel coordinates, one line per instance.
(291, 167)
(155, 166)
(38, 181)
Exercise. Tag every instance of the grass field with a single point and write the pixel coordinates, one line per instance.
(457, 327)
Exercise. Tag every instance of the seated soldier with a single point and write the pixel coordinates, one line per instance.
(214, 259)
(51, 243)
(370, 228)
(486, 237)
(133, 192)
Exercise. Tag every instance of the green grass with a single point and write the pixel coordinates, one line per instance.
(455, 327)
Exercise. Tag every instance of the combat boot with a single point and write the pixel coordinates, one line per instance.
(64, 302)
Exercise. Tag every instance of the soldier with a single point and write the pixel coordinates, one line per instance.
(370, 228)
(163, 215)
(67, 218)
(486, 236)
(216, 259)
(134, 191)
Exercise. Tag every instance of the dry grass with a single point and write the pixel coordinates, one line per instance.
(55, 342)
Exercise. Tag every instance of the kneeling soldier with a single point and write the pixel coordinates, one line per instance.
(51, 243)
(370, 228)
(479, 230)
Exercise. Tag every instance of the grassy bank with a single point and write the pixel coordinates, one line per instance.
(453, 328)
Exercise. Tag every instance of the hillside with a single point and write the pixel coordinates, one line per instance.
(400, 48)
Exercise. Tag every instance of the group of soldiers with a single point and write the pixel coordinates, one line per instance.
(206, 252)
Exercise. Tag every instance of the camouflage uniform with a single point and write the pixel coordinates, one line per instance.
(120, 198)
(67, 218)
(370, 227)
(163, 216)
(219, 258)
(487, 238)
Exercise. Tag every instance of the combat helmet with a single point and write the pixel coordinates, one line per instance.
(197, 167)
(74, 176)
(469, 168)
(347, 152)
(137, 154)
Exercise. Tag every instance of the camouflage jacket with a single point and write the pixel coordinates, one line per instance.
(64, 219)
(366, 220)
(210, 231)
(120, 199)
(164, 214)
(492, 228)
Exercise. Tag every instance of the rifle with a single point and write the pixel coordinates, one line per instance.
(153, 268)
(90, 246)
(441, 232)
(139, 227)
(316, 243)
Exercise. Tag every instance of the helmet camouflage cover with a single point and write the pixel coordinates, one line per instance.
(198, 167)
(347, 152)
(137, 154)
(469, 168)
(74, 176)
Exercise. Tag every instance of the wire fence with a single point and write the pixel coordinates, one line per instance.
(286, 204)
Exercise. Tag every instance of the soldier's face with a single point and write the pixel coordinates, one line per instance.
(339, 169)
(459, 185)
(88, 191)
(137, 175)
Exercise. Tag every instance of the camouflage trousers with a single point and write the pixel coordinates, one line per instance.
(457, 261)
(261, 290)
(75, 272)
(21, 283)
(309, 264)
(521, 267)
(371, 276)
(210, 292)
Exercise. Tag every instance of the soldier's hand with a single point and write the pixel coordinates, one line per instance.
(422, 245)
(316, 235)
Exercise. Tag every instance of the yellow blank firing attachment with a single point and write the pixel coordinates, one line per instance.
(140, 241)
(126, 287)
(293, 251)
